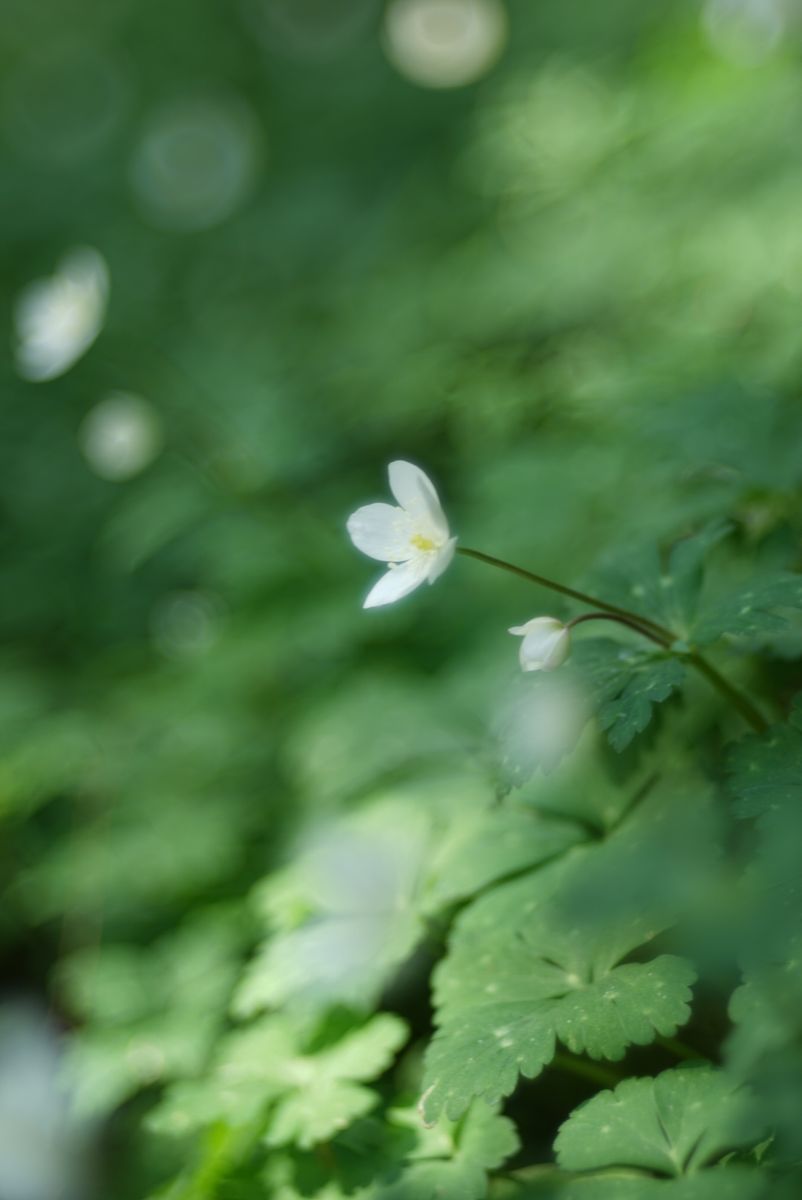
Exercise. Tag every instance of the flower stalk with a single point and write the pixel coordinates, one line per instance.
(622, 620)
(650, 629)
(554, 586)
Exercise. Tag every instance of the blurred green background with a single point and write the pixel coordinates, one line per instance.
(551, 251)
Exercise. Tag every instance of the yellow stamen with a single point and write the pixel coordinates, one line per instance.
(421, 542)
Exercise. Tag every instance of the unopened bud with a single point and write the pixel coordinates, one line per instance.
(546, 643)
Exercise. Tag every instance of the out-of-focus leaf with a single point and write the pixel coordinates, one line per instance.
(766, 770)
(755, 609)
(274, 1073)
(152, 1014)
(356, 887)
(488, 845)
(675, 1124)
(625, 684)
(509, 989)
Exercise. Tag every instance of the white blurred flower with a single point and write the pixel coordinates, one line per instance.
(539, 721)
(545, 645)
(42, 1145)
(444, 43)
(412, 538)
(120, 436)
(58, 319)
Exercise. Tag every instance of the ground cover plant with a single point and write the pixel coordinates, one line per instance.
(402, 610)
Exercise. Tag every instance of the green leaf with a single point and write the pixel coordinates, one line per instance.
(674, 1124)
(152, 1014)
(715, 1183)
(344, 744)
(211, 1167)
(355, 915)
(664, 590)
(488, 845)
(675, 594)
(662, 856)
(765, 777)
(751, 610)
(397, 1158)
(451, 1162)
(586, 790)
(326, 1095)
(546, 713)
(518, 977)
(625, 683)
(766, 769)
(314, 1090)
(681, 583)
(765, 1046)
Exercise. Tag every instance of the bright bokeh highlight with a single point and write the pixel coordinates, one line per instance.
(58, 319)
(444, 43)
(121, 436)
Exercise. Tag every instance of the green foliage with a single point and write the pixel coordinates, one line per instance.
(452, 1161)
(730, 1183)
(676, 1124)
(151, 1014)
(766, 771)
(510, 988)
(683, 591)
(759, 607)
(309, 1078)
(344, 915)
(665, 589)
(485, 847)
(625, 684)
(400, 1159)
(289, 876)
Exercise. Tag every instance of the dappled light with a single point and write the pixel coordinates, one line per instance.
(400, 691)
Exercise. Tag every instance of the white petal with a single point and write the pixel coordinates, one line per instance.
(528, 657)
(382, 531)
(440, 559)
(415, 492)
(545, 648)
(544, 625)
(398, 582)
(57, 319)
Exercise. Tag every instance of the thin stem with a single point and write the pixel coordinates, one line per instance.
(740, 702)
(608, 616)
(583, 597)
(588, 1070)
(658, 633)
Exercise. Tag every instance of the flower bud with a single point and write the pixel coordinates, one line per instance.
(545, 645)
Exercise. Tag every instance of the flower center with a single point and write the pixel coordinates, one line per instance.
(421, 542)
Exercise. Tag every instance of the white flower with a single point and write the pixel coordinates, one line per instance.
(545, 645)
(444, 43)
(58, 319)
(43, 1142)
(120, 436)
(413, 538)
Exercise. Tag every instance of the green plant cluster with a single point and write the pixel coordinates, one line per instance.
(339, 905)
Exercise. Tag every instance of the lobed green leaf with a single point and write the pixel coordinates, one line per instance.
(674, 1124)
